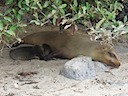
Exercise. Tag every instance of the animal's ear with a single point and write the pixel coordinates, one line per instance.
(103, 48)
(106, 46)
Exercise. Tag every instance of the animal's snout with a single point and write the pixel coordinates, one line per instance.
(112, 59)
(114, 63)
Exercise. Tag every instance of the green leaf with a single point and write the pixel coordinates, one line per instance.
(22, 25)
(46, 4)
(35, 15)
(7, 35)
(36, 22)
(73, 8)
(1, 26)
(58, 2)
(21, 12)
(51, 14)
(38, 3)
(15, 12)
(20, 3)
(10, 32)
(8, 18)
(88, 6)
(54, 21)
(54, 6)
(27, 2)
(18, 17)
(1, 14)
(120, 6)
(75, 3)
(75, 17)
(80, 14)
(34, 8)
(19, 29)
(13, 27)
(7, 11)
(125, 19)
(62, 6)
(8, 2)
(62, 11)
(84, 9)
(98, 25)
(26, 7)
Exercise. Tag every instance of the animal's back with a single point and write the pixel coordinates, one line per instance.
(64, 43)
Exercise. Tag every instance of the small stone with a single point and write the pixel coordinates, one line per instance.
(16, 86)
(79, 68)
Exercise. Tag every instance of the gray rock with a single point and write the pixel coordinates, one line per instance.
(79, 68)
(100, 67)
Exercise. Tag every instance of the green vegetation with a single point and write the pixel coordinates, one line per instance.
(97, 15)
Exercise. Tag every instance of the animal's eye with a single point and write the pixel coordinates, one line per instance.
(111, 54)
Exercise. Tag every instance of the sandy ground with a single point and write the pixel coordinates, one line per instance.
(41, 78)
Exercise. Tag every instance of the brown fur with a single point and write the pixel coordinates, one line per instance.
(68, 46)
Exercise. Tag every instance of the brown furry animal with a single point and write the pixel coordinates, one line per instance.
(65, 45)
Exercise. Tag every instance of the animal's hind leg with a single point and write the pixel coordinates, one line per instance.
(56, 54)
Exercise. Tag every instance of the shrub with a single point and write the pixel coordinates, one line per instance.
(97, 15)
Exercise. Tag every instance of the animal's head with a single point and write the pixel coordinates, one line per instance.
(43, 51)
(106, 55)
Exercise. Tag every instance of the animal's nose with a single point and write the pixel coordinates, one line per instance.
(115, 64)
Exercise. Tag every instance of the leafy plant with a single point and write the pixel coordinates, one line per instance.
(94, 14)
